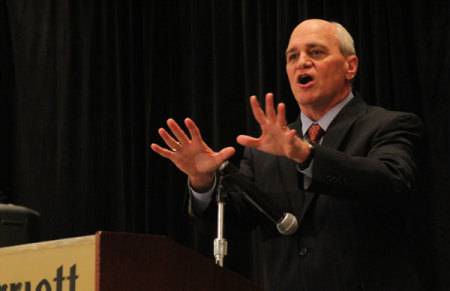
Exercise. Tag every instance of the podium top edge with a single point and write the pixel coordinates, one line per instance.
(74, 241)
(82, 240)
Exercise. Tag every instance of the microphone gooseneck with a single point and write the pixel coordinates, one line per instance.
(286, 223)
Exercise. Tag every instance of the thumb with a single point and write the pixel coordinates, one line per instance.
(247, 141)
(225, 154)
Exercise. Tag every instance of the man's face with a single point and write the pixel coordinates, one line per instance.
(319, 75)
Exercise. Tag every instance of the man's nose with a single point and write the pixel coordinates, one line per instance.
(304, 61)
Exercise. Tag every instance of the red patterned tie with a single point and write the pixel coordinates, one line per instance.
(315, 132)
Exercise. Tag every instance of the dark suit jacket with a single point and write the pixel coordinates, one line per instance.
(351, 234)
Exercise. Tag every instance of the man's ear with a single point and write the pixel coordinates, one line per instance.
(352, 67)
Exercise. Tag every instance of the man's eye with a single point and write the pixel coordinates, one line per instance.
(292, 57)
(317, 53)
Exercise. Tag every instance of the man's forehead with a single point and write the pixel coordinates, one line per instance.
(317, 25)
(313, 33)
(314, 28)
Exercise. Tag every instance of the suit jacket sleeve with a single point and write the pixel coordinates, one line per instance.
(375, 162)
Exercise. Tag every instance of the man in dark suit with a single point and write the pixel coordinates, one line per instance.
(344, 169)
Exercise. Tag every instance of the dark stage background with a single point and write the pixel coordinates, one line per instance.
(86, 84)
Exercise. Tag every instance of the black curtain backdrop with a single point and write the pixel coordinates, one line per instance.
(85, 85)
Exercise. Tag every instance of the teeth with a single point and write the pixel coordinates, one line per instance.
(305, 79)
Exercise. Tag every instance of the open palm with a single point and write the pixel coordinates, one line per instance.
(276, 138)
(191, 155)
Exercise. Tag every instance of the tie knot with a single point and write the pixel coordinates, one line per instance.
(315, 132)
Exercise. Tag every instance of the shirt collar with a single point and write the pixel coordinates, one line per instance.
(326, 120)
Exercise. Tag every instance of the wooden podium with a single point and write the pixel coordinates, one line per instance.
(109, 261)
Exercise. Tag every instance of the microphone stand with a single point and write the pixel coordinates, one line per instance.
(286, 222)
(220, 243)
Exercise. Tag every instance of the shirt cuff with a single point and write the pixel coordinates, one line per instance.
(201, 201)
(307, 171)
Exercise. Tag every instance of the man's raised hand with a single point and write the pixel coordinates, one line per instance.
(191, 155)
(276, 138)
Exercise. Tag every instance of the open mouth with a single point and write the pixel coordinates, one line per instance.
(304, 79)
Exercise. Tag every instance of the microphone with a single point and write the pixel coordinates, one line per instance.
(286, 222)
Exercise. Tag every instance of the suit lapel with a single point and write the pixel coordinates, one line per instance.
(335, 135)
(343, 122)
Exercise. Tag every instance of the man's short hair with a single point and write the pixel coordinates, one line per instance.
(346, 43)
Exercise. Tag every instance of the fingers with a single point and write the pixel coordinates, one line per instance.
(270, 110)
(180, 136)
(258, 113)
(162, 151)
(174, 144)
(277, 117)
(169, 140)
(193, 130)
(281, 114)
(177, 131)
